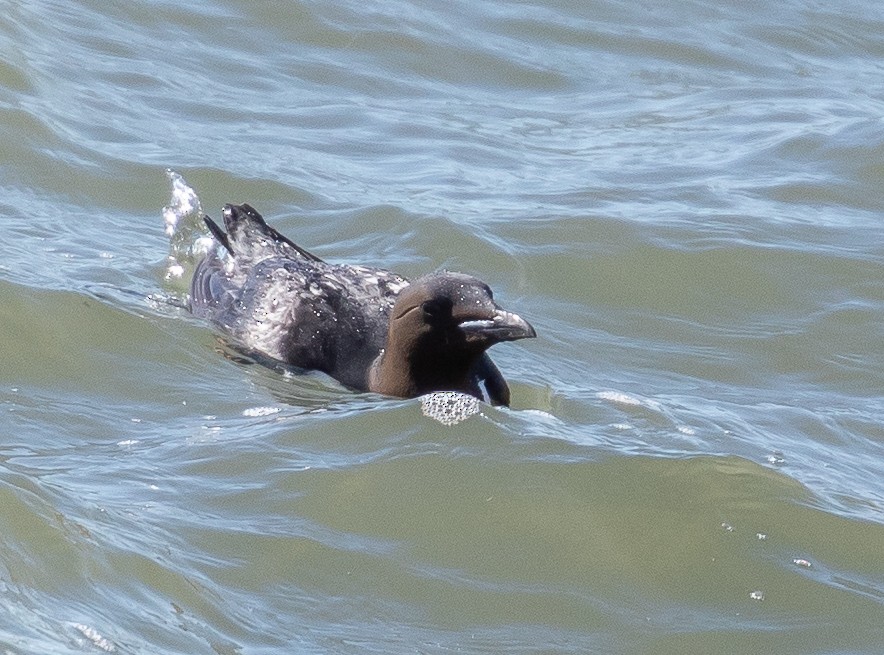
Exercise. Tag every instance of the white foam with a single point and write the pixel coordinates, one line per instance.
(261, 411)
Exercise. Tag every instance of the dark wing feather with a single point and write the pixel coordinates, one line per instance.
(245, 225)
(219, 234)
(496, 387)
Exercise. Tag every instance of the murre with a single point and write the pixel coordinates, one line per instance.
(368, 328)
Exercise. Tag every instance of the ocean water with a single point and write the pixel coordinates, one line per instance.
(684, 199)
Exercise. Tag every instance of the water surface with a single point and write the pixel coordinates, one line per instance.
(684, 201)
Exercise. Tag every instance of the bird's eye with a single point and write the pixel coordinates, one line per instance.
(437, 309)
(431, 308)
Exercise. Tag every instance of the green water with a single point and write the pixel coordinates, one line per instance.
(685, 202)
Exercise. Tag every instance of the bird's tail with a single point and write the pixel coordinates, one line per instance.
(249, 235)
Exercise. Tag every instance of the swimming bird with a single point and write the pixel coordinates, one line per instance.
(368, 328)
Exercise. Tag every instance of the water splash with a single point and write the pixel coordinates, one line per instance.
(189, 239)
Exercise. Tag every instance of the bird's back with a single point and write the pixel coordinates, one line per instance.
(274, 297)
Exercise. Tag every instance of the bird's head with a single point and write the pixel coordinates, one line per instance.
(440, 327)
(453, 312)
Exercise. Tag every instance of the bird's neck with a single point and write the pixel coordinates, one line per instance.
(405, 371)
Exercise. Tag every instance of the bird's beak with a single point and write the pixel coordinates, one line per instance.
(502, 326)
